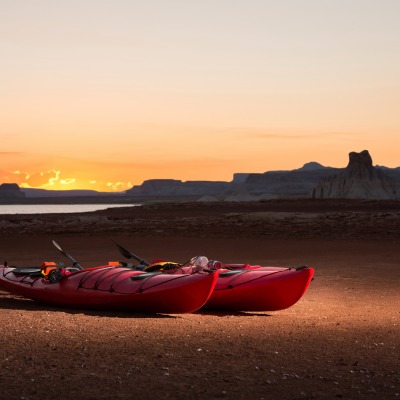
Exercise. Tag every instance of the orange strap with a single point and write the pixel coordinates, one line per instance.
(48, 266)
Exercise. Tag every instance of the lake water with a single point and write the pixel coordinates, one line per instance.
(56, 208)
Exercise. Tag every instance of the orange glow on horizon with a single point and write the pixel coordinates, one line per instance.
(118, 176)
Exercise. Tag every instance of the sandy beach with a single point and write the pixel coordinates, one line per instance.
(341, 340)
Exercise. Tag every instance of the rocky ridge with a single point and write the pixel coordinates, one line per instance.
(10, 190)
(359, 180)
(283, 219)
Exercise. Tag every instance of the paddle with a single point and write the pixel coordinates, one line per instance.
(74, 262)
(127, 254)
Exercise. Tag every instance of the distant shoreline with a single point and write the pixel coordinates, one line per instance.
(193, 201)
(111, 199)
(273, 219)
(55, 209)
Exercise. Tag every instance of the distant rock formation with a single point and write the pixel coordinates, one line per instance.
(10, 190)
(240, 177)
(311, 166)
(173, 187)
(284, 184)
(393, 173)
(241, 197)
(207, 199)
(251, 186)
(359, 180)
(38, 193)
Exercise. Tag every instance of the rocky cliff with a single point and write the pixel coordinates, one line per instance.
(359, 180)
(244, 186)
(173, 187)
(296, 183)
(10, 190)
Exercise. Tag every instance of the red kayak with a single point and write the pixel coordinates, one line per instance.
(240, 287)
(243, 287)
(113, 288)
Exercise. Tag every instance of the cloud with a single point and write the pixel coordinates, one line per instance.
(52, 179)
(280, 136)
(68, 181)
(13, 176)
(119, 186)
(294, 136)
(42, 179)
(25, 174)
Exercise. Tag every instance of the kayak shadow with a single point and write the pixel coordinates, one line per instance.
(13, 302)
(227, 313)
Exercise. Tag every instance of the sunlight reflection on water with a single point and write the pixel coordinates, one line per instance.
(56, 208)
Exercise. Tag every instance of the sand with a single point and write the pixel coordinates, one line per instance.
(341, 340)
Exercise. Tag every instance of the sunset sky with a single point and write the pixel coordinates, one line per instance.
(103, 94)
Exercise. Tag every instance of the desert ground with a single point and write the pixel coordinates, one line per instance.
(341, 340)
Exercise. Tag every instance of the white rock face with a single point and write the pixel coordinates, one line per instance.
(359, 180)
(241, 197)
(207, 199)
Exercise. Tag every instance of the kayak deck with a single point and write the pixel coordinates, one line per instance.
(115, 288)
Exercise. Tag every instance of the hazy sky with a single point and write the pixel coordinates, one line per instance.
(104, 94)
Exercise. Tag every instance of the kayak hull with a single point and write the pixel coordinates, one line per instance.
(260, 289)
(110, 288)
(244, 287)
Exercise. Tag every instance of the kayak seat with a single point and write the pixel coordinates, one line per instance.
(230, 273)
(73, 270)
(144, 276)
(35, 271)
(301, 267)
(27, 271)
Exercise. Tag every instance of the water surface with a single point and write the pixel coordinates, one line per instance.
(56, 208)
